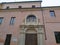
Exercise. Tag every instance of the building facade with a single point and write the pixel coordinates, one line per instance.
(27, 23)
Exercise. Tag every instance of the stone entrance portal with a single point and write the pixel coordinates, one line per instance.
(31, 35)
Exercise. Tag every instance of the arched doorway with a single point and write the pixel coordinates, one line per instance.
(31, 35)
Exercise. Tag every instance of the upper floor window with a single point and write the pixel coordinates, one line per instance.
(31, 18)
(57, 37)
(20, 6)
(52, 13)
(7, 7)
(1, 19)
(12, 20)
(33, 6)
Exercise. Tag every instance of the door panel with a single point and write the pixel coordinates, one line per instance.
(31, 39)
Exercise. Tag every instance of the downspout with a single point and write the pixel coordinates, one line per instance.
(43, 23)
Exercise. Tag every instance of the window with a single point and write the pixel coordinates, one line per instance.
(1, 19)
(31, 18)
(8, 39)
(20, 6)
(57, 37)
(52, 13)
(33, 6)
(7, 7)
(12, 20)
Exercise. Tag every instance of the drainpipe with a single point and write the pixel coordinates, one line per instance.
(43, 23)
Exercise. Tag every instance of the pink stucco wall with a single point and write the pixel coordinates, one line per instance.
(6, 28)
(52, 24)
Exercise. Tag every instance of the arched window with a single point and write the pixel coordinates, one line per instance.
(31, 18)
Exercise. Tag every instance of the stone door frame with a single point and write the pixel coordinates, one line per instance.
(39, 30)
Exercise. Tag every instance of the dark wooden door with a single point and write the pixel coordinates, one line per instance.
(31, 39)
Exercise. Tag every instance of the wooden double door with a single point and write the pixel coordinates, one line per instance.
(31, 39)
